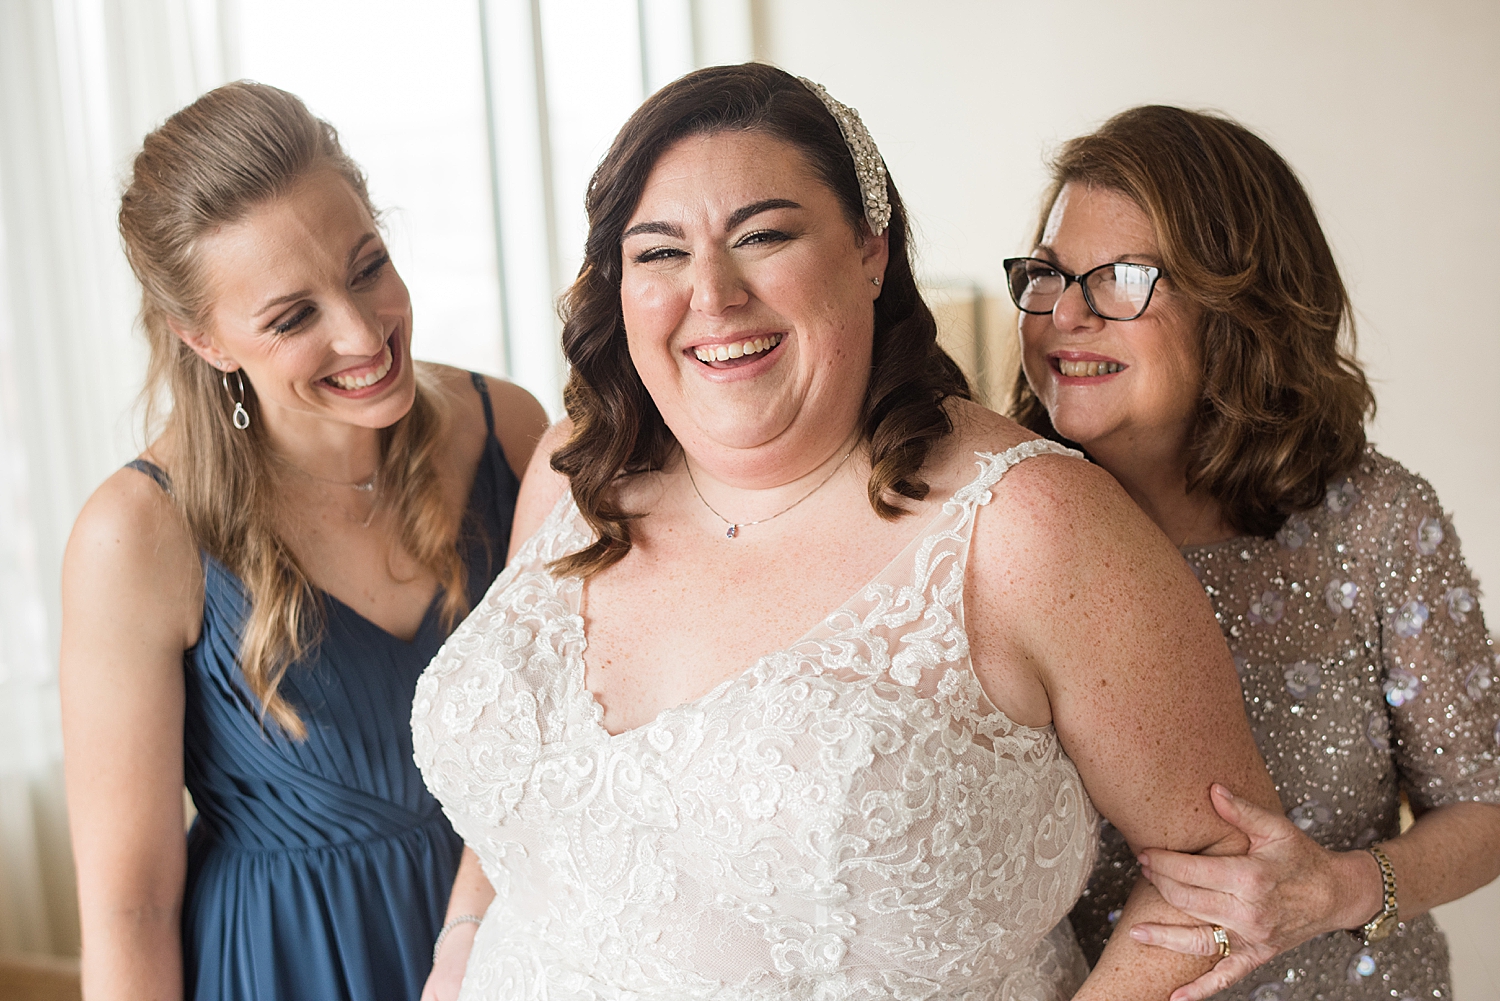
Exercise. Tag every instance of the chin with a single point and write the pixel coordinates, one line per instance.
(1074, 427)
(388, 409)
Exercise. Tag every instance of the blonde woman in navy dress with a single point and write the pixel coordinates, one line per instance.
(248, 606)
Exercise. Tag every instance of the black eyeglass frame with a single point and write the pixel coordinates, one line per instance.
(1157, 274)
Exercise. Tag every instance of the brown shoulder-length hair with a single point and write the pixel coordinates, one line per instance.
(1284, 400)
(208, 165)
(617, 429)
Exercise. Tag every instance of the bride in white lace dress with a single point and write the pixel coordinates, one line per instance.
(810, 674)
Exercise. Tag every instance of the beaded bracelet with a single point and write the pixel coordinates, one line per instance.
(462, 919)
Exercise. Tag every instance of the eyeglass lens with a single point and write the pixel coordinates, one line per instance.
(1117, 291)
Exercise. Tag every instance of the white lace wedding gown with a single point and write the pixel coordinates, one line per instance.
(849, 819)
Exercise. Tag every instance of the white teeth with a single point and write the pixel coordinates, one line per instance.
(369, 378)
(1079, 369)
(739, 349)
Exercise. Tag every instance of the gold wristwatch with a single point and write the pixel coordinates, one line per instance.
(1385, 922)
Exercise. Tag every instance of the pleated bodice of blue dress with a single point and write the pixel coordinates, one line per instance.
(321, 868)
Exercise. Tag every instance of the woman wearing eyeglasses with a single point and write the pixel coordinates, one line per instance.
(1181, 321)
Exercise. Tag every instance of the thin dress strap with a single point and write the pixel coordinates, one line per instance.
(992, 467)
(484, 395)
(152, 470)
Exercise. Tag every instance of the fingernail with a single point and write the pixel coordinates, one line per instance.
(1140, 934)
(1143, 860)
(1223, 790)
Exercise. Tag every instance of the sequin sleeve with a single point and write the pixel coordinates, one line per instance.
(1440, 664)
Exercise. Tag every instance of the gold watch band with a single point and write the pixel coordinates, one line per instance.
(1383, 923)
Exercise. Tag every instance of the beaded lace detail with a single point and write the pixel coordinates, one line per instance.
(850, 818)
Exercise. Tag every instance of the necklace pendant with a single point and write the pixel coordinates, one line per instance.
(734, 530)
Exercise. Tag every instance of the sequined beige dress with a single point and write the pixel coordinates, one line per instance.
(1367, 670)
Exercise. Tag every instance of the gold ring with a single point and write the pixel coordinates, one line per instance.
(1221, 939)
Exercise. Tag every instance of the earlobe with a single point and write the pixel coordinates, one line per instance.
(876, 254)
(203, 346)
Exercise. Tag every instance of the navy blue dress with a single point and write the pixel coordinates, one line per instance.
(321, 868)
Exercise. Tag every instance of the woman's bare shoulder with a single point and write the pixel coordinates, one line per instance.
(132, 512)
(132, 557)
(520, 422)
(519, 419)
(1038, 481)
(542, 486)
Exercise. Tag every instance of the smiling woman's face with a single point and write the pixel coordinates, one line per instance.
(306, 301)
(1148, 371)
(748, 303)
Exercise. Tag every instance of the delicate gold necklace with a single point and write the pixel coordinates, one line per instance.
(369, 485)
(364, 486)
(735, 526)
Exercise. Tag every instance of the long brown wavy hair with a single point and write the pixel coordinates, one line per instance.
(1284, 400)
(210, 164)
(617, 429)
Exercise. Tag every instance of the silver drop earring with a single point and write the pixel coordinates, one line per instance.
(241, 416)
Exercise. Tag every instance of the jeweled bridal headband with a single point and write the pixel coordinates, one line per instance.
(868, 166)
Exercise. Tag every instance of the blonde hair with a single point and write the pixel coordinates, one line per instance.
(209, 164)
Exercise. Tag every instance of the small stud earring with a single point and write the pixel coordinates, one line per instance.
(874, 281)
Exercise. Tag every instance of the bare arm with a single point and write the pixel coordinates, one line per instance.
(520, 422)
(1122, 647)
(541, 487)
(132, 603)
(471, 895)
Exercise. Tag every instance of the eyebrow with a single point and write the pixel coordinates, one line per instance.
(1126, 258)
(736, 218)
(302, 293)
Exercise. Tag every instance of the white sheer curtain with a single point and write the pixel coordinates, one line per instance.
(80, 82)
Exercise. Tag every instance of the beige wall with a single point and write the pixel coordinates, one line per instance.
(1389, 111)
